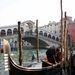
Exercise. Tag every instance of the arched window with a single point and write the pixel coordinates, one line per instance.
(22, 30)
(15, 31)
(57, 39)
(9, 32)
(49, 36)
(53, 37)
(45, 34)
(41, 33)
(3, 33)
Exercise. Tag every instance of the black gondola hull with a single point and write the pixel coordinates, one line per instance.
(18, 70)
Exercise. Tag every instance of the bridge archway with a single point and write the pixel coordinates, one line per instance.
(15, 31)
(3, 33)
(41, 33)
(57, 39)
(9, 32)
(45, 34)
(53, 37)
(49, 36)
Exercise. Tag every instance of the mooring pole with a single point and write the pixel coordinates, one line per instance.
(61, 40)
(65, 43)
(20, 44)
(62, 34)
(37, 42)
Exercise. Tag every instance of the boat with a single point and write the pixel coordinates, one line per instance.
(15, 69)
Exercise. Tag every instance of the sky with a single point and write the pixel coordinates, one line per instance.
(12, 11)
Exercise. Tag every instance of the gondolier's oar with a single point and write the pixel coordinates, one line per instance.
(20, 44)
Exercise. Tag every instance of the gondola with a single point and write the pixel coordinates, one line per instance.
(47, 68)
(15, 69)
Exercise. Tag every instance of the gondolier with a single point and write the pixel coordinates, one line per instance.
(51, 55)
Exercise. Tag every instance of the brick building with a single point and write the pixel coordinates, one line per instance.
(71, 33)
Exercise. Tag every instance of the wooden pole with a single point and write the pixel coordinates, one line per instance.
(61, 40)
(65, 44)
(66, 37)
(62, 33)
(37, 42)
(20, 44)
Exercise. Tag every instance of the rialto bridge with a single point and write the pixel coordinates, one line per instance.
(46, 39)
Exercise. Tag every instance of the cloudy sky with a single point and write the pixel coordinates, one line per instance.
(12, 11)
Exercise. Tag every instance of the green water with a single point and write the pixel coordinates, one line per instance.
(27, 55)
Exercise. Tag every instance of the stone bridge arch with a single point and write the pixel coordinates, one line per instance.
(32, 40)
(43, 41)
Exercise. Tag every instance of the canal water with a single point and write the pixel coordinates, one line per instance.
(27, 55)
